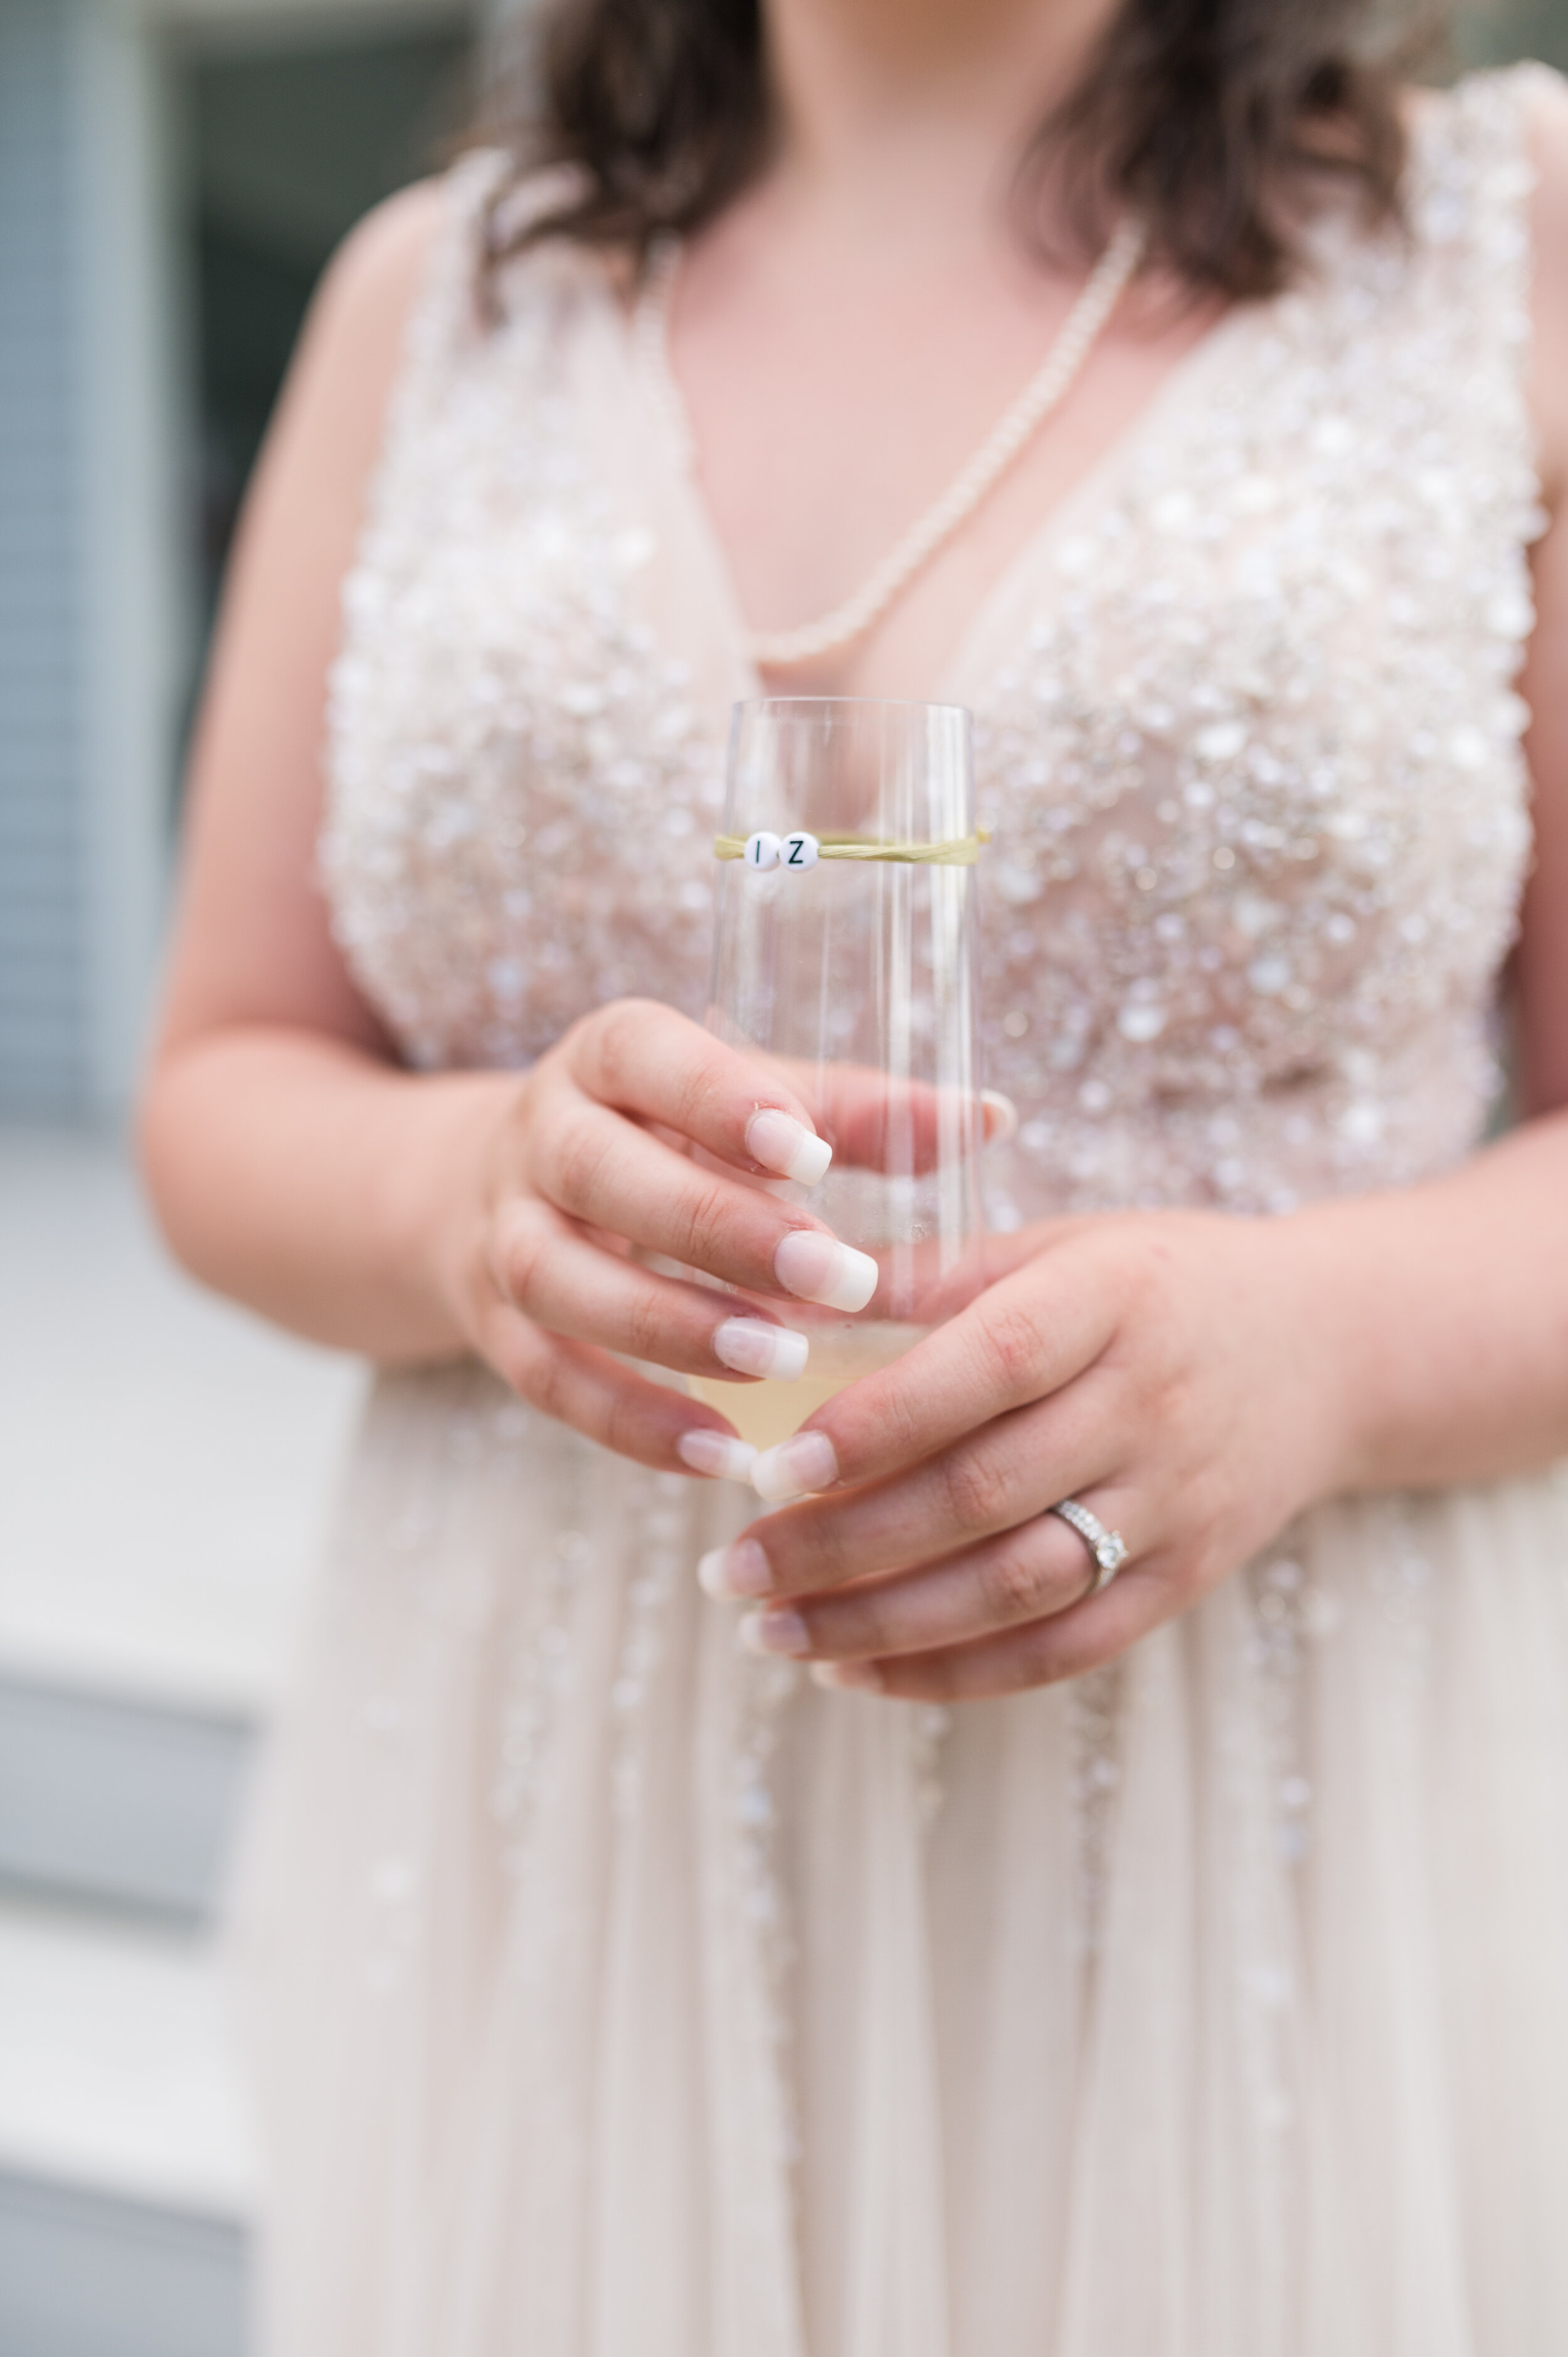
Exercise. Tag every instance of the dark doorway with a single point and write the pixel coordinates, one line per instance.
(289, 143)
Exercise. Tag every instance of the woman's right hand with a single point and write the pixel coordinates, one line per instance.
(592, 1162)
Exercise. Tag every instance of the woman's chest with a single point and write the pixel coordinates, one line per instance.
(826, 419)
(1245, 728)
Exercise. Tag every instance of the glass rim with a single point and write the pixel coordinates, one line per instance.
(850, 703)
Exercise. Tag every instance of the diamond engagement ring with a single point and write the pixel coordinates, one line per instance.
(1108, 1549)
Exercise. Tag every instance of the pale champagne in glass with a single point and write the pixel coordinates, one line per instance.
(844, 957)
(767, 1411)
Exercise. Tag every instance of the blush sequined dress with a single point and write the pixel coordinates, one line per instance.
(622, 1996)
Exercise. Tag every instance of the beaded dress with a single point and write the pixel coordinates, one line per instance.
(622, 1996)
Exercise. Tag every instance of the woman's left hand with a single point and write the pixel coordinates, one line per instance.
(1182, 1374)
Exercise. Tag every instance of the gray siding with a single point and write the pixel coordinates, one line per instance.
(43, 1014)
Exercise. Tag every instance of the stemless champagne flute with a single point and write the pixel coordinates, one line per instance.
(843, 957)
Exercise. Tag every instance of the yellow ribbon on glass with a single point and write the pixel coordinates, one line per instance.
(962, 852)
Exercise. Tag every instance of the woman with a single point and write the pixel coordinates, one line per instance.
(1177, 1964)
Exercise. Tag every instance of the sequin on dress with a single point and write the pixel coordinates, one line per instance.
(622, 1996)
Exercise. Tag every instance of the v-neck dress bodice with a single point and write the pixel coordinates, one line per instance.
(623, 1996)
(1246, 730)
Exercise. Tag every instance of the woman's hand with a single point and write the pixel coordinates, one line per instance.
(591, 1163)
(1179, 1373)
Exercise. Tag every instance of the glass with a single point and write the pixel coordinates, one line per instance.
(854, 976)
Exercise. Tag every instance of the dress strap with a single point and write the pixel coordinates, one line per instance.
(442, 317)
(1472, 177)
(449, 323)
(1471, 181)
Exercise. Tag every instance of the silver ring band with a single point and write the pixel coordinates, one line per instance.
(1108, 1549)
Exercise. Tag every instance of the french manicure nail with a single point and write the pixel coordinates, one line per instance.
(707, 1451)
(780, 1631)
(741, 1570)
(782, 1143)
(818, 1268)
(1001, 1117)
(806, 1462)
(749, 1346)
(864, 1677)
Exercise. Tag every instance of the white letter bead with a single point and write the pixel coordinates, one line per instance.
(762, 851)
(799, 850)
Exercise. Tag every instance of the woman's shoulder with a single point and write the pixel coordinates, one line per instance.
(1544, 97)
(354, 368)
(1487, 125)
(1489, 189)
(355, 333)
(1490, 162)
(1547, 104)
(334, 404)
(426, 245)
(372, 280)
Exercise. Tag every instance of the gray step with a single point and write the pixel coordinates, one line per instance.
(118, 1798)
(166, 1464)
(82, 2276)
(127, 2168)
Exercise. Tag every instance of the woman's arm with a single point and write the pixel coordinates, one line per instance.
(1543, 961)
(1454, 1297)
(296, 1166)
(275, 1133)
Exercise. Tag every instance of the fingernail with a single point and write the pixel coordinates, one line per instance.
(864, 1677)
(707, 1451)
(808, 1461)
(1001, 1117)
(782, 1143)
(739, 1570)
(780, 1631)
(751, 1347)
(815, 1267)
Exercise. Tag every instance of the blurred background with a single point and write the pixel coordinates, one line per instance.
(173, 176)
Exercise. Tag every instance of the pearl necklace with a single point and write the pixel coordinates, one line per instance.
(777, 649)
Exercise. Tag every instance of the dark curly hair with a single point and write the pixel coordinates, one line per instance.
(1221, 123)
